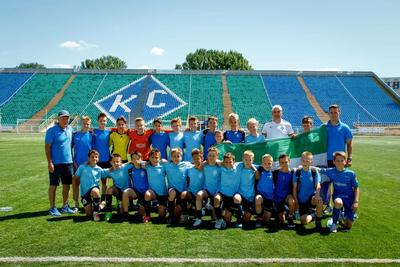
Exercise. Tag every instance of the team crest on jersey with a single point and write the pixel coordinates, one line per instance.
(146, 97)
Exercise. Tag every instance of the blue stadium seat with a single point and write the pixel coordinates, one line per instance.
(10, 83)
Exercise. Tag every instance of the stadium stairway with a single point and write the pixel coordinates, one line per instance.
(226, 98)
(322, 115)
(35, 120)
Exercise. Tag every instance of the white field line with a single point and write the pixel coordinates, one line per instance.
(192, 260)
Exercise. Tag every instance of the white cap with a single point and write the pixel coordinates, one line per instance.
(277, 107)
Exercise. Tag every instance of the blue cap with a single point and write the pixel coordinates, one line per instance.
(63, 113)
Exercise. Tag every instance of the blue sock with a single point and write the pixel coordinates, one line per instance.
(335, 215)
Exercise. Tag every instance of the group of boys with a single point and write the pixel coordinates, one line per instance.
(187, 181)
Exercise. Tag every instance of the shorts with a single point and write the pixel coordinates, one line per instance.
(247, 205)
(210, 196)
(268, 204)
(280, 206)
(162, 200)
(87, 199)
(227, 202)
(305, 208)
(118, 195)
(63, 171)
(348, 212)
(140, 197)
(104, 164)
(178, 196)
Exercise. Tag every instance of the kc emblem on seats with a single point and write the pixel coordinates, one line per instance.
(146, 97)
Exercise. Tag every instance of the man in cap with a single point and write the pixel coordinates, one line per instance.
(277, 127)
(59, 161)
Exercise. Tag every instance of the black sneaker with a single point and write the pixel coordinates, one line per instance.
(290, 223)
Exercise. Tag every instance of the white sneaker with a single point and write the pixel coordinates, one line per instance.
(223, 224)
(218, 223)
(96, 216)
(197, 222)
(209, 206)
(333, 228)
(329, 223)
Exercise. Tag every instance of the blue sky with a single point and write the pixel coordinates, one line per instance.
(273, 35)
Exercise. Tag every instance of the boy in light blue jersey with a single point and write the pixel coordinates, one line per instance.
(265, 190)
(176, 136)
(120, 176)
(157, 183)
(159, 139)
(89, 176)
(195, 178)
(212, 182)
(345, 191)
(101, 143)
(81, 144)
(253, 136)
(306, 190)
(235, 135)
(247, 187)
(177, 183)
(209, 134)
(192, 139)
(227, 196)
(138, 186)
(283, 181)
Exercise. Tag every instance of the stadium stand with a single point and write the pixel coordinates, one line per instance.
(329, 90)
(32, 97)
(286, 91)
(372, 97)
(249, 98)
(10, 83)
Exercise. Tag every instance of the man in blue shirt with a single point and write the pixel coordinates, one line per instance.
(58, 143)
(339, 138)
(306, 190)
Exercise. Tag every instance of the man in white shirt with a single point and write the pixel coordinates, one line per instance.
(278, 127)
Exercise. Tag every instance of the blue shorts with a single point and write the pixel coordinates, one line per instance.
(348, 211)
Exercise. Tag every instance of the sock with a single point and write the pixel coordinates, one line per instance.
(171, 208)
(184, 204)
(318, 219)
(147, 208)
(108, 202)
(96, 204)
(238, 212)
(103, 197)
(218, 213)
(335, 215)
(198, 214)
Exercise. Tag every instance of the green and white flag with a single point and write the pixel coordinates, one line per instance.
(313, 141)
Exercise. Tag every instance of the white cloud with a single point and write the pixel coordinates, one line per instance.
(157, 51)
(144, 67)
(62, 66)
(77, 45)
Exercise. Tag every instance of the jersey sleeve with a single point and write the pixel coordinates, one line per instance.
(317, 178)
(289, 129)
(105, 173)
(78, 173)
(348, 135)
(49, 137)
(354, 181)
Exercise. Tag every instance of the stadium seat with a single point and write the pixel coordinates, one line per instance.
(10, 83)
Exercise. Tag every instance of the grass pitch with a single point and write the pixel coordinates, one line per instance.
(29, 231)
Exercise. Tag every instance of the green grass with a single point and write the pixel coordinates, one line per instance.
(29, 231)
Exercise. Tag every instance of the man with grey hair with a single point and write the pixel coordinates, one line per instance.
(277, 127)
(59, 161)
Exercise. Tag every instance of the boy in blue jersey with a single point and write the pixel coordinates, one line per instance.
(209, 134)
(100, 142)
(89, 176)
(195, 177)
(253, 136)
(306, 190)
(159, 139)
(157, 184)
(81, 144)
(176, 136)
(265, 190)
(235, 134)
(120, 176)
(212, 181)
(247, 187)
(283, 181)
(345, 191)
(177, 183)
(192, 139)
(227, 197)
(138, 186)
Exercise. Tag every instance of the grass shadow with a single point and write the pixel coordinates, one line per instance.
(25, 215)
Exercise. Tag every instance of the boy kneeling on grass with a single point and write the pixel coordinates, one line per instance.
(89, 176)
(345, 191)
